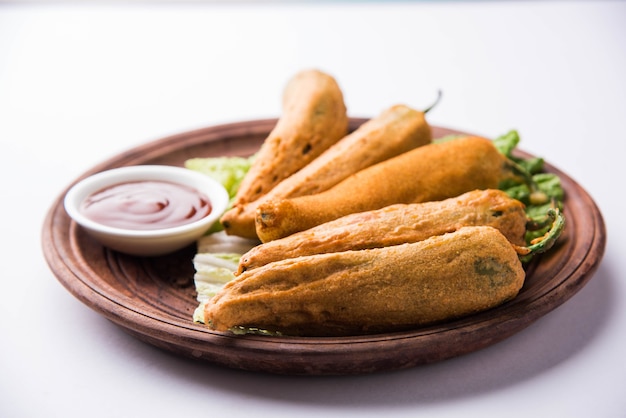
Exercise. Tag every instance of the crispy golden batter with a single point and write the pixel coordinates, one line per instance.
(377, 290)
(314, 117)
(397, 224)
(396, 130)
(433, 172)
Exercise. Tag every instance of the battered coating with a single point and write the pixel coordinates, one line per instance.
(378, 290)
(433, 172)
(396, 130)
(314, 117)
(397, 224)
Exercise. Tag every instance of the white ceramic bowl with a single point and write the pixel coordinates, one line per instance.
(146, 242)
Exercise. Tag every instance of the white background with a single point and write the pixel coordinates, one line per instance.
(81, 82)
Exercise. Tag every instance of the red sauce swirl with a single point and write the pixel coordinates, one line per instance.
(146, 205)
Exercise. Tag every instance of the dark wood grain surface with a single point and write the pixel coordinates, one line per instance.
(154, 298)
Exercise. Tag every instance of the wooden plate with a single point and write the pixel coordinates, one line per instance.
(154, 298)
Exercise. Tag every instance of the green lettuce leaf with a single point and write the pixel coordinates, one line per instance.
(228, 171)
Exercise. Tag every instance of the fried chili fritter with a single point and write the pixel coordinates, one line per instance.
(397, 224)
(377, 290)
